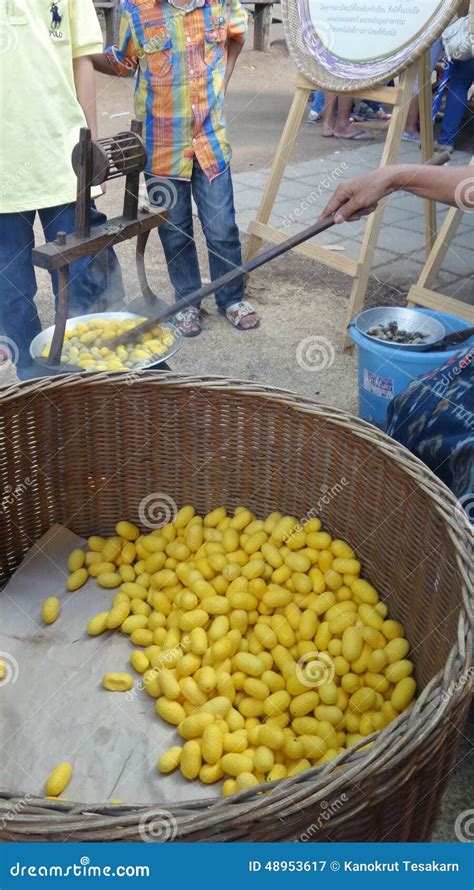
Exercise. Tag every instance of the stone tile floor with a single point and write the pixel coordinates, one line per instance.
(400, 253)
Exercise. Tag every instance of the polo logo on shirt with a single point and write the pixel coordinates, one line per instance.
(56, 19)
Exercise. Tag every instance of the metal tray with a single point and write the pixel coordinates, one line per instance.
(407, 319)
(41, 340)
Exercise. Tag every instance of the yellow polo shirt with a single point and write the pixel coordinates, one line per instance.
(39, 112)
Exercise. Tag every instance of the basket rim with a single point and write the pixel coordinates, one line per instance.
(447, 691)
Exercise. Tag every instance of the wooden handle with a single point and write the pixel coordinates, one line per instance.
(195, 298)
(266, 256)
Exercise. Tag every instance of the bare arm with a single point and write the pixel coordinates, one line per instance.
(234, 48)
(102, 65)
(85, 90)
(359, 197)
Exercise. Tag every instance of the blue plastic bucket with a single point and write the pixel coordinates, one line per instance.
(385, 372)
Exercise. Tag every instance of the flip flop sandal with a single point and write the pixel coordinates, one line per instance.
(237, 311)
(189, 322)
(361, 136)
(411, 137)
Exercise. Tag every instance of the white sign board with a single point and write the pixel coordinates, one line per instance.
(350, 44)
(361, 30)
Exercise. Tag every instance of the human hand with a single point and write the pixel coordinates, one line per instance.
(359, 197)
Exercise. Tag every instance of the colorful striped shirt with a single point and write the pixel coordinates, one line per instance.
(180, 60)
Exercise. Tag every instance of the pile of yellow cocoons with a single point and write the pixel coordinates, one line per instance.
(87, 345)
(258, 639)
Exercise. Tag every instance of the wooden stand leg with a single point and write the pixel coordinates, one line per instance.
(427, 141)
(282, 156)
(261, 26)
(61, 314)
(83, 199)
(374, 224)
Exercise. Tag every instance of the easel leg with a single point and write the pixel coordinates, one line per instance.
(282, 156)
(374, 224)
(427, 141)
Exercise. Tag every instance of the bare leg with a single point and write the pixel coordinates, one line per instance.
(411, 125)
(345, 128)
(329, 113)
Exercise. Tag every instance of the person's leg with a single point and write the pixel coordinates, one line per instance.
(89, 279)
(317, 107)
(330, 113)
(173, 196)
(19, 319)
(215, 205)
(412, 132)
(344, 128)
(461, 78)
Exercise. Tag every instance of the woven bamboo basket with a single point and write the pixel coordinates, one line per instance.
(211, 441)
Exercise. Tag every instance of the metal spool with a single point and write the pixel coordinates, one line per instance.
(113, 157)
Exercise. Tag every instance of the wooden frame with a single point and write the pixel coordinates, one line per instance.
(421, 293)
(399, 97)
(111, 10)
(114, 157)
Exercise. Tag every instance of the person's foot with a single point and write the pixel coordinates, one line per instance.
(352, 132)
(410, 136)
(242, 316)
(438, 146)
(189, 322)
(368, 114)
(313, 117)
(383, 115)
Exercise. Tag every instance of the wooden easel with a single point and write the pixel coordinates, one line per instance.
(399, 98)
(421, 293)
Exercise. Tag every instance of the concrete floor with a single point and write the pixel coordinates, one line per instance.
(295, 297)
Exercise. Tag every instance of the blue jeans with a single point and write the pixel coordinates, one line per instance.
(89, 278)
(317, 102)
(215, 205)
(461, 78)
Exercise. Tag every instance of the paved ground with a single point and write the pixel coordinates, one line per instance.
(400, 253)
(296, 297)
